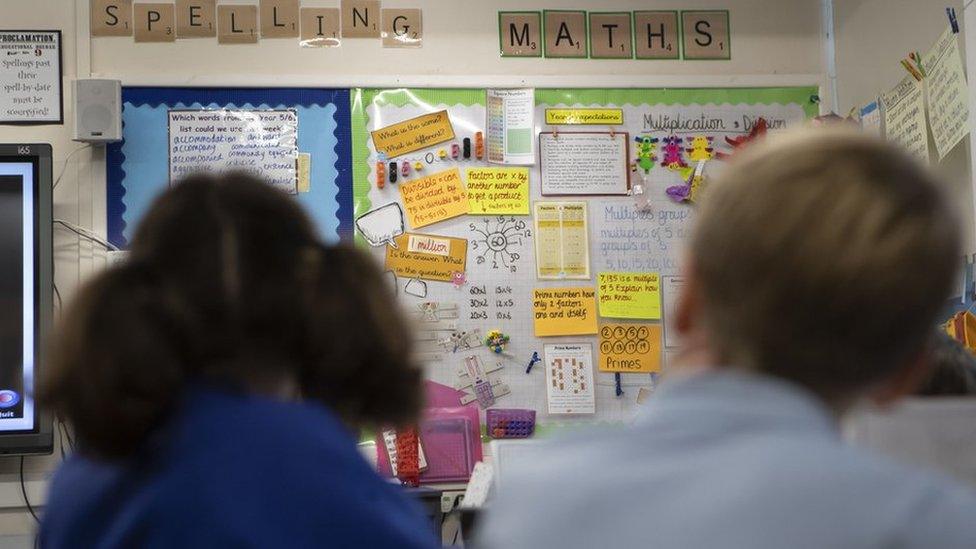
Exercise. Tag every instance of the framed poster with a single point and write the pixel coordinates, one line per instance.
(584, 163)
(30, 77)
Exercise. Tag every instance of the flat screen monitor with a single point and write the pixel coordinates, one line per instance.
(25, 294)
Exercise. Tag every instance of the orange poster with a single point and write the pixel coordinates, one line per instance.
(434, 198)
(564, 311)
(414, 134)
(632, 348)
(428, 257)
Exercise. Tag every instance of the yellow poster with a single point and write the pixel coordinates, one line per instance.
(414, 134)
(564, 311)
(562, 247)
(634, 348)
(427, 256)
(500, 191)
(601, 117)
(304, 172)
(434, 198)
(630, 295)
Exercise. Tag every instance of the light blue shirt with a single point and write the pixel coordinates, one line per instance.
(726, 460)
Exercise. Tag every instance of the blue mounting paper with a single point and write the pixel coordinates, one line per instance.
(138, 166)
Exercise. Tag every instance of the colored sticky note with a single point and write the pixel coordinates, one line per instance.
(434, 198)
(502, 191)
(602, 117)
(427, 256)
(634, 348)
(630, 295)
(414, 134)
(564, 311)
(304, 172)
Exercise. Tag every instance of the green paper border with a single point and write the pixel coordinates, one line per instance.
(728, 25)
(618, 97)
(589, 40)
(678, 47)
(360, 98)
(586, 35)
(541, 33)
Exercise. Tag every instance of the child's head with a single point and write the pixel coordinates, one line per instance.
(227, 283)
(953, 369)
(821, 257)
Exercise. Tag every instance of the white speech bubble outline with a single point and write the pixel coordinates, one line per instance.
(416, 288)
(382, 225)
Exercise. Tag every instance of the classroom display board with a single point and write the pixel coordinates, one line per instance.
(564, 252)
(298, 137)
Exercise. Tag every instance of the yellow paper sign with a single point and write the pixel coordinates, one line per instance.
(564, 311)
(498, 191)
(630, 295)
(414, 134)
(630, 348)
(304, 172)
(602, 117)
(428, 257)
(434, 198)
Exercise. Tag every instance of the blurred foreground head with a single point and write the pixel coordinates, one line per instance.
(227, 284)
(822, 257)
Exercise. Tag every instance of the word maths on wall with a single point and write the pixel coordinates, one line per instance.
(657, 34)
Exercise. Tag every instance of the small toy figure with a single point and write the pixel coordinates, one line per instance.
(458, 340)
(641, 200)
(701, 148)
(688, 191)
(429, 311)
(758, 130)
(674, 156)
(645, 153)
(458, 279)
(496, 341)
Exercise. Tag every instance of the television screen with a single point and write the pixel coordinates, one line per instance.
(25, 292)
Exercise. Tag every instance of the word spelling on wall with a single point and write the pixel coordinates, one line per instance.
(313, 27)
(657, 34)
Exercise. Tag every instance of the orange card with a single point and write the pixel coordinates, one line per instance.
(414, 134)
(634, 348)
(564, 311)
(427, 256)
(434, 198)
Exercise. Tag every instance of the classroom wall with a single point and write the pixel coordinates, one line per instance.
(72, 202)
(871, 36)
(770, 46)
(461, 39)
